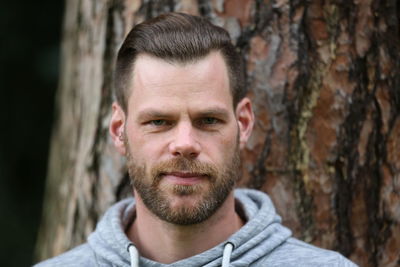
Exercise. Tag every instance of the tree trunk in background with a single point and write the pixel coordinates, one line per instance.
(324, 77)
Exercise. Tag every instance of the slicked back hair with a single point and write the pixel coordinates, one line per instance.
(178, 38)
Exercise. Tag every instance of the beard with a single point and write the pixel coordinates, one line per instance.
(205, 197)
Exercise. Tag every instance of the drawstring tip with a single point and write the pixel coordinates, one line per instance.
(134, 254)
(226, 258)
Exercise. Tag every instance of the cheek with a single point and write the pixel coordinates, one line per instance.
(231, 136)
(224, 146)
(145, 149)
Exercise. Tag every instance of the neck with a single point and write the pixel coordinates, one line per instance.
(152, 235)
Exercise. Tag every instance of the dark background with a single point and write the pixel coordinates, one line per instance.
(29, 56)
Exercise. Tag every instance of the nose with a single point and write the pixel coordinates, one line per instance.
(184, 142)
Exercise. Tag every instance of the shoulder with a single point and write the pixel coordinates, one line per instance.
(294, 252)
(79, 256)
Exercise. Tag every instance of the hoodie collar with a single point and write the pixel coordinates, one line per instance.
(262, 233)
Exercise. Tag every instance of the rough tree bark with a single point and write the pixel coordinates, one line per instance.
(324, 76)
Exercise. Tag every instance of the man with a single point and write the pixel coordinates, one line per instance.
(181, 118)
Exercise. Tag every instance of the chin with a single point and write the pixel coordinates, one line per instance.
(183, 195)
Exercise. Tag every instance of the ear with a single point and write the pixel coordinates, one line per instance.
(245, 119)
(117, 127)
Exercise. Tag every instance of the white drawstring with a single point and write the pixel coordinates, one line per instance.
(134, 255)
(226, 257)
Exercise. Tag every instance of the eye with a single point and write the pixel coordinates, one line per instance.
(157, 125)
(209, 121)
(158, 122)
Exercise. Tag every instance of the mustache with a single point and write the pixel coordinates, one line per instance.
(182, 164)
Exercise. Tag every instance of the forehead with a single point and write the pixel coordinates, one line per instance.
(155, 79)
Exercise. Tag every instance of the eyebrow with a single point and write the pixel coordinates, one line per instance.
(214, 112)
(152, 113)
(209, 112)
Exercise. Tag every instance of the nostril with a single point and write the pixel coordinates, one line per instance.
(193, 154)
(176, 153)
(186, 154)
(185, 150)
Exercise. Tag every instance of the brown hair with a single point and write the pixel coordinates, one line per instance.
(181, 38)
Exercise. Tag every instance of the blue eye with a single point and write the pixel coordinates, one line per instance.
(158, 122)
(209, 120)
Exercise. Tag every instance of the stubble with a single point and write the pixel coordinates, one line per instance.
(209, 194)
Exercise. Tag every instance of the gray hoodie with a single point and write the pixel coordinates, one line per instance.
(262, 241)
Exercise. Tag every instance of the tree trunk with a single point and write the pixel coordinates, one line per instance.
(324, 77)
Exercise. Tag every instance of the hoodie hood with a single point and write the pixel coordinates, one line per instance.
(261, 234)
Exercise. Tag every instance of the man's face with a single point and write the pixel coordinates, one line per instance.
(181, 137)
